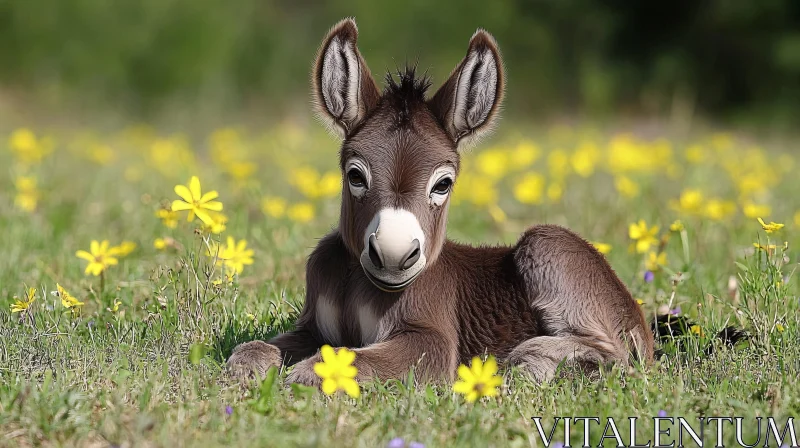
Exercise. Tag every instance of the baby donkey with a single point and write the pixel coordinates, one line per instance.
(389, 284)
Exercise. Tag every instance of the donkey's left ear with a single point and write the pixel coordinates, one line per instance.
(343, 89)
(468, 102)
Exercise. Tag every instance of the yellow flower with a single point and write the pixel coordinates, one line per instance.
(234, 256)
(529, 189)
(115, 308)
(123, 250)
(655, 261)
(307, 180)
(640, 301)
(492, 162)
(695, 154)
(22, 305)
(585, 158)
(769, 248)
(626, 187)
(690, 201)
(99, 259)
(780, 328)
(643, 237)
(27, 194)
(695, 329)
(603, 248)
(273, 206)
(476, 188)
(558, 163)
(337, 371)
(241, 171)
(771, 227)
(168, 217)
(478, 380)
(27, 148)
(163, 243)
(717, 209)
(676, 226)
(752, 210)
(302, 212)
(67, 299)
(218, 223)
(524, 154)
(330, 184)
(195, 202)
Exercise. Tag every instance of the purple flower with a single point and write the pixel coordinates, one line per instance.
(397, 442)
(676, 311)
(649, 276)
(557, 445)
(415, 445)
(662, 413)
(229, 410)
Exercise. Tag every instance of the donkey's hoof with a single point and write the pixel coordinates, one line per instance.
(252, 360)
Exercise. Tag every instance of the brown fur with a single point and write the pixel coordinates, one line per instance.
(549, 299)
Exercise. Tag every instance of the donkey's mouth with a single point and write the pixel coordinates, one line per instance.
(389, 287)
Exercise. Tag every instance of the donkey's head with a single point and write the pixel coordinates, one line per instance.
(399, 157)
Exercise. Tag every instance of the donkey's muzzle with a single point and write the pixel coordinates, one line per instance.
(394, 250)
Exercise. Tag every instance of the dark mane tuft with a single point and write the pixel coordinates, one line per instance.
(408, 91)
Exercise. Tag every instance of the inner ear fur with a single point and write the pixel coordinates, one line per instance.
(344, 91)
(467, 104)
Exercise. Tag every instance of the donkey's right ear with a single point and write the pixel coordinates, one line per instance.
(344, 91)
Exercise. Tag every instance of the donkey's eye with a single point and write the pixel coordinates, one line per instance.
(443, 186)
(355, 178)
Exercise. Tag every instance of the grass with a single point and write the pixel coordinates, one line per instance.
(151, 373)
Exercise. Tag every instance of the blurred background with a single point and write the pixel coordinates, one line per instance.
(726, 60)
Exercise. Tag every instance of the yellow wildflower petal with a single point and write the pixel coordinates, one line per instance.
(85, 255)
(348, 371)
(472, 396)
(329, 386)
(462, 387)
(204, 216)
(328, 354)
(477, 367)
(465, 373)
(213, 206)
(194, 188)
(489, 392)
(184, 193)
(211, 195)
(178, 205)
(94, 247)
(346, 357)
(494, 381)
(350, 387)
(490, 366)
(323, 370)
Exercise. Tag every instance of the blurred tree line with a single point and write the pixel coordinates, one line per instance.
(720, 57)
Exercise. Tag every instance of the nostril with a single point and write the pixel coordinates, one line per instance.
(375, 253)
(411, 258)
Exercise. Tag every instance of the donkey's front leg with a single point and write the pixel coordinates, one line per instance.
(253, 359)
(433, 356)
